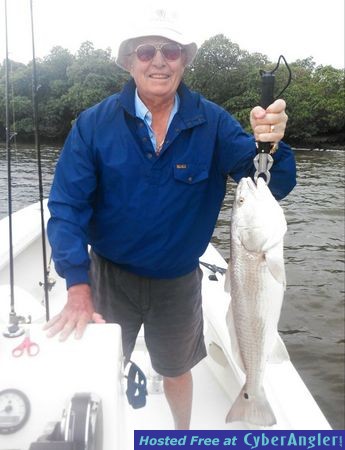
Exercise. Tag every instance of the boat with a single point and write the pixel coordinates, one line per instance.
(77, 390)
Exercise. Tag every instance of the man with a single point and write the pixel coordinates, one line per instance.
(141, 180)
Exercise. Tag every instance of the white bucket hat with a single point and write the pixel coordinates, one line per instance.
(161, 23)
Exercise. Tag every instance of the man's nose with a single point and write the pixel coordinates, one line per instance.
(159, 59)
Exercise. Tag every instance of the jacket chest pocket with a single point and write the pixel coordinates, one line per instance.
(190, 173)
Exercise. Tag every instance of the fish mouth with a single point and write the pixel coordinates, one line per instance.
(246, 185)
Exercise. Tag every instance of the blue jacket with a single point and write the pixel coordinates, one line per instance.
(152, 215)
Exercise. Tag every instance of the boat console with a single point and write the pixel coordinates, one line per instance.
(67, 396)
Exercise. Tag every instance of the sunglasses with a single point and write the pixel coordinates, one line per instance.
(170, 51)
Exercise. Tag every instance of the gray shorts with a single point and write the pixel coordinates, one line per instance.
(170, 310)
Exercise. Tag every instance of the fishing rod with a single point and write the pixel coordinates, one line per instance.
(9, 173)
(39, 165)
(13, 329)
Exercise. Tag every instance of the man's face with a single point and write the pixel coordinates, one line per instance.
(159, 77)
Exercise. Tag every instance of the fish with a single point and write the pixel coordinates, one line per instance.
(256, 281)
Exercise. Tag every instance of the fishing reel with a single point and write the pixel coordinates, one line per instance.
(81, 426)
(13, 329)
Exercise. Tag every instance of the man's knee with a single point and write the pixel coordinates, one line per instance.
(180, 379)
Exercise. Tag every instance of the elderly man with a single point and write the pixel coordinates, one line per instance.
(141, 179)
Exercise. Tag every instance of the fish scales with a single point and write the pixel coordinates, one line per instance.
(256, 281)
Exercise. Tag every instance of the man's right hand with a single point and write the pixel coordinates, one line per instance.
(76, 314)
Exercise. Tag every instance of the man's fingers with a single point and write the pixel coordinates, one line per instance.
(269, 127)
(80, 327)
(75, 316)
(67, 330)
(82, 324)
(274, 114)
(60, 324)
(97, 318)
(276, 107)
(55, 325)
(269, 137)
(257, 113)
(272, 119)
(52, 322)
(260, 129)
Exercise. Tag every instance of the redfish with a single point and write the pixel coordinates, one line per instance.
(256, 281)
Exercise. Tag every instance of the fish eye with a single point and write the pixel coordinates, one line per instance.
(241, 200)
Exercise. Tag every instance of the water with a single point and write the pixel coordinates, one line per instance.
(25, 175)
(312, 321)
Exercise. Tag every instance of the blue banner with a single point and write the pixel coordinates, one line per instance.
(238, 440)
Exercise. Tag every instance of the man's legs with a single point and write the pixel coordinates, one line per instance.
(179, 393)
(172, 313)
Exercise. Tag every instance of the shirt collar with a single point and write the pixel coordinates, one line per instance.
(144, 113)
(141, 109)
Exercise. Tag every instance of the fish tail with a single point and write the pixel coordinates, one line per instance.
(253, 409)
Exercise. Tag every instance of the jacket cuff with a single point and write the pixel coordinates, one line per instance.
(76, 275)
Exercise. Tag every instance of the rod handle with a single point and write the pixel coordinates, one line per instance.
(267, 98)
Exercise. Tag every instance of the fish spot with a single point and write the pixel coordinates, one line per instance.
(246, 396)
(241, 200)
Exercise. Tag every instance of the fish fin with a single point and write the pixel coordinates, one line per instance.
(279, 352)
(217, 354)
(255, 410)
(227, 280)
(275, 263)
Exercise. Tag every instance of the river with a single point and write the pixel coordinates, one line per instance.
(312, 319)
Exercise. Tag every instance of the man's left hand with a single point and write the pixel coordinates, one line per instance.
(269, 125)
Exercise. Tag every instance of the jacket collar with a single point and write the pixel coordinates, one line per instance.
(190, 110)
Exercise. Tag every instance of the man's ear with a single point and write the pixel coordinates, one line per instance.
(128, 63)
(184, 58)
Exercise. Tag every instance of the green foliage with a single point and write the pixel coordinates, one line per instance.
(221, 71)
(227, 75)
(315, 102)
(67, 84)
(93, 76)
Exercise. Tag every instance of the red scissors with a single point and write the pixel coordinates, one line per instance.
(31, 347)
